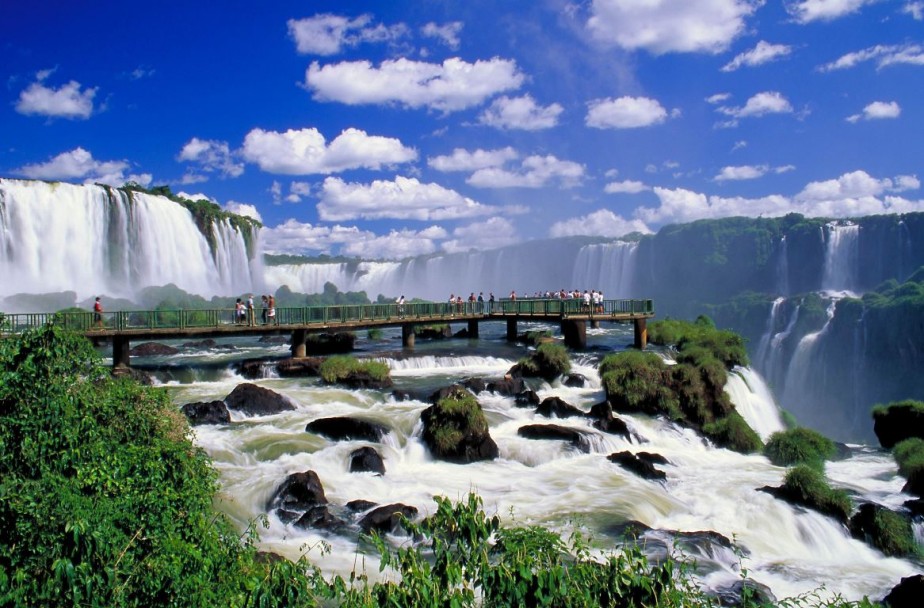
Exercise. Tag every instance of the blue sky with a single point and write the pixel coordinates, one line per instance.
(391, 129)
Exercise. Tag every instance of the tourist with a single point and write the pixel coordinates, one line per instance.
(250, 312)
(491, 303)
(271, 312)
(264, 304)
(238, 312)
(400, 303)
(98, 313)
(481, 302)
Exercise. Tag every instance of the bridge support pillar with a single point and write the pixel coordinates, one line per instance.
(407, 335)
(298, 346)
(472, 329)
(595, 324)
(575, 333)
(641, 333)
(512, 330)
(120, 348)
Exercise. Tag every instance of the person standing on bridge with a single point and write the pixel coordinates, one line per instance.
(98, 313)
(271, 313)
(251, 321)
(263, 306)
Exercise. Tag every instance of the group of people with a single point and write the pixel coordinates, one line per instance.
(592, 299)
(244, 313)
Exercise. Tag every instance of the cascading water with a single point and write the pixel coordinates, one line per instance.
(763, 347)
(842, 254)
(94, 240)
(771, 366)
(607, 267)
(754, 401)
(782, 268)
(547, 482)
(799, 373)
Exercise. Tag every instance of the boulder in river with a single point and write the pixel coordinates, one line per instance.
(207, 412)
(298, 493)
(575, 437)
(642, 467)
(366, 460)
(152, 349)
(455, 429)
(344, 428)
(557, 407)
(256, 400)
(386, 518)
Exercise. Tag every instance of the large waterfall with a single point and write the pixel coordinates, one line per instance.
(97, 240)
(841, 257)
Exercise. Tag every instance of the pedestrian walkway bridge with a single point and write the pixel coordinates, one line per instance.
(121, 327)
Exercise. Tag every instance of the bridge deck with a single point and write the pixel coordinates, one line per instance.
(145, 324)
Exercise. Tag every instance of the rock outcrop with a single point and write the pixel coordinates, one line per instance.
(256, 400)
(207, 412)
(340, 428)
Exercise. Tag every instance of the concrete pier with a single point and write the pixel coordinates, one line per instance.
(641, 333)
(511, 330)
(407, 335)
(473, 329)
(120, 348)
(575, 333)
(298, 347)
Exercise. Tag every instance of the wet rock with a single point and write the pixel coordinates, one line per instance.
(329, 344)
(366, 460)
(652, 458)
(575, 380)
(358, 506)
(733, 596)
(457, 433)
(274, 340)
(152, 349)
(320, 517)
(138, 375)
(509, 385)
(915, 506)
(631, 529)
(298, 493)
(527, 398)
(386, 518)
(886, 530)
(444, 392)
(439, 332)
(207, 412)
(268, 557)
(304, 367)
(907, 593)
(640, 467)
(898, 421)
(573, 436)
(340, 428)
(554, 406)
(398, 395)
(207, 343)
(253, 369)
(256, 400)
(476, 385)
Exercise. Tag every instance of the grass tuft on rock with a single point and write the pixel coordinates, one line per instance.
(806, 486)
(799, 446)
(342, 368)
(549, 361)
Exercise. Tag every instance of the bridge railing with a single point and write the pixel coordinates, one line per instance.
(12, 323)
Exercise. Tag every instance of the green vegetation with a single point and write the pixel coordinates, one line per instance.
(536, 337)
(549, 361)
(457, 415)
(891, 533)
(374, 333)
(690, 392)
(898, 421)
(909, 454)
(799, 446)
(806, 486)
(105, 502)
(341, 368)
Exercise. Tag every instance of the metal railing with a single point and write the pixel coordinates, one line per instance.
(182, 319)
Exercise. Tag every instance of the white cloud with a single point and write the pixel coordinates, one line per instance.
(305, 151)
(883, 55)
(403, 198)
(628, 187)
(535, 172)
(80, 164)
(395, 245)
(741, 172)
(453, 85)
(327, 34)
(67, 101)
(491, 234)
(463, 160)
(717, 98)
(599, 223)
(624, 113)
(878, 110)
(293, 236)
(211, 156)
(806, 11)
(764, 52)
(663, 26)
(520, 113)
(245, 209)
(448, 33)
(850, 195)
(915, 9)
(761, 104)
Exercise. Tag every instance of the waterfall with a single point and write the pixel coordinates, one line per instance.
(797, 388)
(609, 267)
(905, 251)
(841, 257)
(94, 240)
(763, 347)
(772, 366)
(754, 401)
(782, 268)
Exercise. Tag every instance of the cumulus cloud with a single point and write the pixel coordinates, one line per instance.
(463, 160)
(628, 187)
(67, 101)
(450, 86)
(80, 164)
(245, 209)
(535, 172)
(403, 198)
(328, 34)
(305, 151)
(915, 9)
(718, 98)
(850, 195)
(447, 33)
(520, 113)
(624, 113)
(883, 55)
(698, 26)
(806, 11)
(491, 234)
(877, 111)
(599, 223)
(304, 238)
(741, 172)
(761, 104)
(211, 157)
(764, 52)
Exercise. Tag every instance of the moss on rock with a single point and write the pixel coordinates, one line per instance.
(799, 446)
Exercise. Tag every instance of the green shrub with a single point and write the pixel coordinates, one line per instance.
(806, 486)
(733, 432)
(374, 333)
(549, 361)
(341, 368)
(637, 381)
(726, 346)
(799, 446)
(892, 534)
